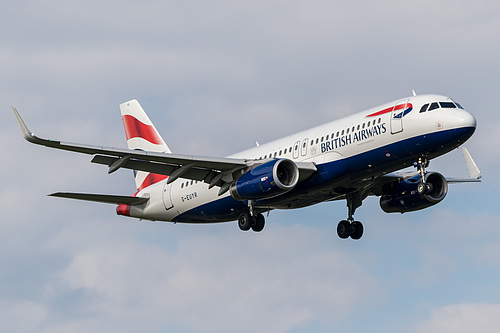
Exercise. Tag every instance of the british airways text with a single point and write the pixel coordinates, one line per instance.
(353, 138)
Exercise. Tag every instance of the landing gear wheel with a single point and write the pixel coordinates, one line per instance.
(245, 222)
(344, 229)
(424, 188)
(259, 223)
(421, 188)
(357, 230)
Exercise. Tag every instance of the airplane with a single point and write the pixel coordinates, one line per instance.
(346, 159)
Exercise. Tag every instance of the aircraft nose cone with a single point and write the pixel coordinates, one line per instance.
(464, 125)
(464, 119)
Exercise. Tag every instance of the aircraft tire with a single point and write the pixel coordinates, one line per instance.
(357, 230)
(260, 222)
(245, 221)
(421, 188)
(344, 229)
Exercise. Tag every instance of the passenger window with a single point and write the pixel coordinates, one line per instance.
(342, 132)
(363, 125)
(327, 137)
(322, 138)
(358, 127)
(317, 140)
(182, 185)
(447, 105)
(280, 152)
(424, 108)
(433, 106)
(338, 134)
(312, 142)
(347, 132)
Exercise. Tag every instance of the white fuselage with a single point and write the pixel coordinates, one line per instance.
(368, 144)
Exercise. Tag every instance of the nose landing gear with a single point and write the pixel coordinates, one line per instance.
(423, 187)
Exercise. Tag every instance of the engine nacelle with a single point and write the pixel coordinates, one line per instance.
(267, 180)
(404, 197)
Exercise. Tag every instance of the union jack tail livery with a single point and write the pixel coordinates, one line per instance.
(142, 135)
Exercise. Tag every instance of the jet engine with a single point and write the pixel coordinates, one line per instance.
(407, 197)
(265, 181)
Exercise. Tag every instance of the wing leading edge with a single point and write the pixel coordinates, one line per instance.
(213, 170)
(216, 171)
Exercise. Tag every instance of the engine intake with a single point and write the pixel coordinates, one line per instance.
(404, 197)
(267, 180)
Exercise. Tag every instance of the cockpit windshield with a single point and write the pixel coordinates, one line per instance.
(440, 105)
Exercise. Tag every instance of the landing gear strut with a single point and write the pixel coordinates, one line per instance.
(423, 187)
(350, 228)
(251, 220)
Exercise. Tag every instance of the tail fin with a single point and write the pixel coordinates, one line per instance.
(142, 135)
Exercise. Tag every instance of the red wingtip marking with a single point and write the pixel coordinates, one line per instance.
(137, 129)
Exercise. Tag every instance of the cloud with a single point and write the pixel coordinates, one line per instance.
(463, 318)
(221, 283)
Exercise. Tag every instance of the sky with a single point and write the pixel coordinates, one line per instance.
(214, 77)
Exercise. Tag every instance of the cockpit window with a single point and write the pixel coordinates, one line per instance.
(458, 105)
(447, 105)
(433, 106)
(437, 105)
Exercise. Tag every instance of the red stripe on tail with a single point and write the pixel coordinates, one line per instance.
(137, 129)
(151, 178)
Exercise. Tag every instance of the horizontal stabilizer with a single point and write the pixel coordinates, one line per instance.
(104, 198)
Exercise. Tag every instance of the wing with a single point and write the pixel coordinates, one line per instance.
(215, 171)
(378, 186)
(474, 173)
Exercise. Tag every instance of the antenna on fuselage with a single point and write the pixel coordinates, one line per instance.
(414, 93)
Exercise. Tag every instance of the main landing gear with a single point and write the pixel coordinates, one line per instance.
(251, 220)
(350, 228)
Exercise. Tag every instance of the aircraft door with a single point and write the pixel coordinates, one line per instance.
(304, 147)
(296, 148)
(397, 116)
(167, 197)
